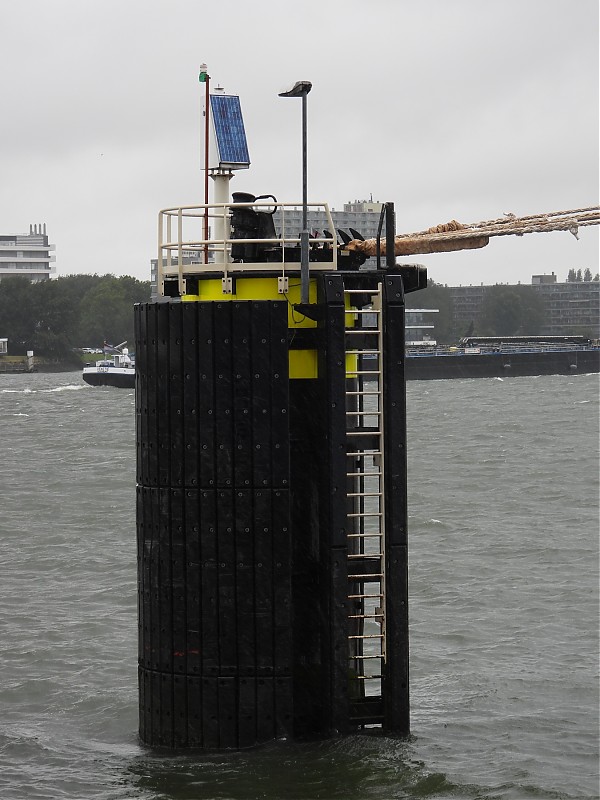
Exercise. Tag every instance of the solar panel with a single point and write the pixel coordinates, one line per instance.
(230, 135)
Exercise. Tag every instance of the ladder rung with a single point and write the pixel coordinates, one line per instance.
(363, 474)
(363, 575)
(365, 658)
(365, 616)
(363, 536)
(367, 636)
(362, 555)
(364, 352)
(366, 677)
(363, 514)
(364, 453)
(359, 596)
(365, 494)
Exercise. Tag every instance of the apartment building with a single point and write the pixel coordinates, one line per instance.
(27, 254)
(360, 215)
(572, 307)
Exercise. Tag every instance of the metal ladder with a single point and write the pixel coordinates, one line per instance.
(366, 518)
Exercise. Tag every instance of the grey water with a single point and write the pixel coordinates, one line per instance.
(504, 572)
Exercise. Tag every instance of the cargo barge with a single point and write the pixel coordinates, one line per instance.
(501, 357)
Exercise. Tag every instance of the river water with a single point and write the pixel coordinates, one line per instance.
(504, 606)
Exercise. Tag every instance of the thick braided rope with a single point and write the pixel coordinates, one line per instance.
(479, 232)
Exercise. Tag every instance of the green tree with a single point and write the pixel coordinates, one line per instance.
(587, 275)
(55, 320)
(53, 317)
(107, 310)
(571, 276)
(17, 314)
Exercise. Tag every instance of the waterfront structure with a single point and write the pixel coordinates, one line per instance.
(27, 254)
(571, 307)
(419, 328)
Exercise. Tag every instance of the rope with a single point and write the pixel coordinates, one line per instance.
(454, 235)
(511, 225)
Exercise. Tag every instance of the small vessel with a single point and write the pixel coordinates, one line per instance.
(119, 370)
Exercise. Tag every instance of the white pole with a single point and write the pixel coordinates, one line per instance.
(221, 197)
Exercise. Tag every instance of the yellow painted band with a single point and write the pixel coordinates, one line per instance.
(302, 363)
(259, 289)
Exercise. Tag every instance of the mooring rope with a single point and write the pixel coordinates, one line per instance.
(455, 235)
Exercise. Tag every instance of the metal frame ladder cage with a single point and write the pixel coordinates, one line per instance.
(366, 557)
(377, 543)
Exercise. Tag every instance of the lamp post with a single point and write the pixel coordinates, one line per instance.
(204, 78)
(301, 89)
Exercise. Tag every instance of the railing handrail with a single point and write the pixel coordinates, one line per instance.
(173, 247)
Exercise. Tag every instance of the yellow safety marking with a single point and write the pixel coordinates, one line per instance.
(259, 289)
(302, 363)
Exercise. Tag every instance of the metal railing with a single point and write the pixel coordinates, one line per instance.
(183, 249)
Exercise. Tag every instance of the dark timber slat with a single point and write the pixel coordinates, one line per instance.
(209, 583)
(244, 582)
(242, 383)
(395, 681)
(206, 453)
(334, 547)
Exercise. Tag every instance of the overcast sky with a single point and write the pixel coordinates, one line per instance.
(452, 109)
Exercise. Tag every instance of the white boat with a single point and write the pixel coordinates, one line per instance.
(116, 371)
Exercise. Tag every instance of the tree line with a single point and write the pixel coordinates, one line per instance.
(52, 318)
(575, 276)
(55, 317)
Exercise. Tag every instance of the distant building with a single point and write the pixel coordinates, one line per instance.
(418, 327)
(188, 257)
(571, 307)
(361, 215)
(27, 254)
(536, 280)
(467, 303)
